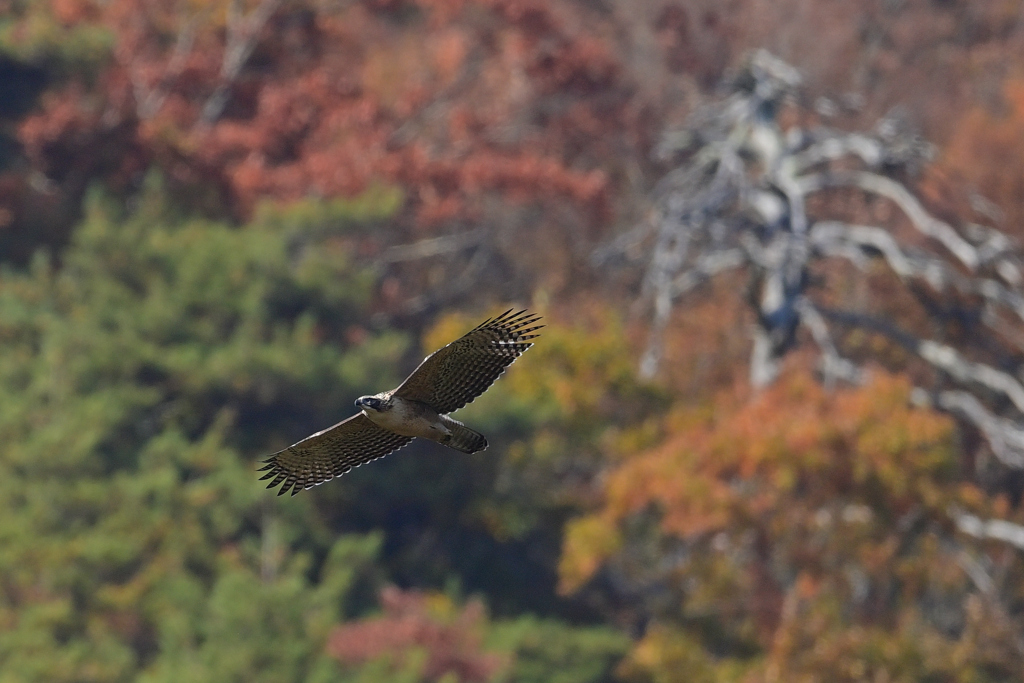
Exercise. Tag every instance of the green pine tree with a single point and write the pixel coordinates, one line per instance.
(138, 382)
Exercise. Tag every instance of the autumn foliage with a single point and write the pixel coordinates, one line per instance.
(413, 621)
(223, 220)
(342, 98)
(983, 154)
(803, 524)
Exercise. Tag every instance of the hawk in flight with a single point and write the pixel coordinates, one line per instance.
(445, 381)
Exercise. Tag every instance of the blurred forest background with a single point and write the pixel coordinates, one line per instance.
(773, 431)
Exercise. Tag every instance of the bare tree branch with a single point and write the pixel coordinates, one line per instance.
(708, 266)
(434, 246)
(738, 201)
(739, 198)
(834, 366)
(982, 581)
(947, 358)
(919, 217)
(243, 33)
(1005, 437)
(940, 356)
(149, 99)
(854, 242)
(992, 529)
(869, 149)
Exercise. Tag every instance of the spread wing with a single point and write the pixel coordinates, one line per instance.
(454, 375)
(330, 453)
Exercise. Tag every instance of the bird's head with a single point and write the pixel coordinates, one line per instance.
(370, 403)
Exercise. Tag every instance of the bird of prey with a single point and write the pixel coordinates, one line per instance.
(445, 381)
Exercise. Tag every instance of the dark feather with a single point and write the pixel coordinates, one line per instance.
(330, 453)
(446, 380)
(455, 375)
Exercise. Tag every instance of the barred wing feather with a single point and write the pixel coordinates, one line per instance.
(330, 453)
(456, 374)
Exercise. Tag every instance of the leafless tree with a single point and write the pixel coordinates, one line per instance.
(243, 32)
(738, 198)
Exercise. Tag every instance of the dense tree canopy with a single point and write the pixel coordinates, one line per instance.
(140, 380)
(772, 430)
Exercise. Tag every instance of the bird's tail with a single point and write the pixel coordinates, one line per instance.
(462, 438)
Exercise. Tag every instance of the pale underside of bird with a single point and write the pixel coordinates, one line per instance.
(445, 381)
